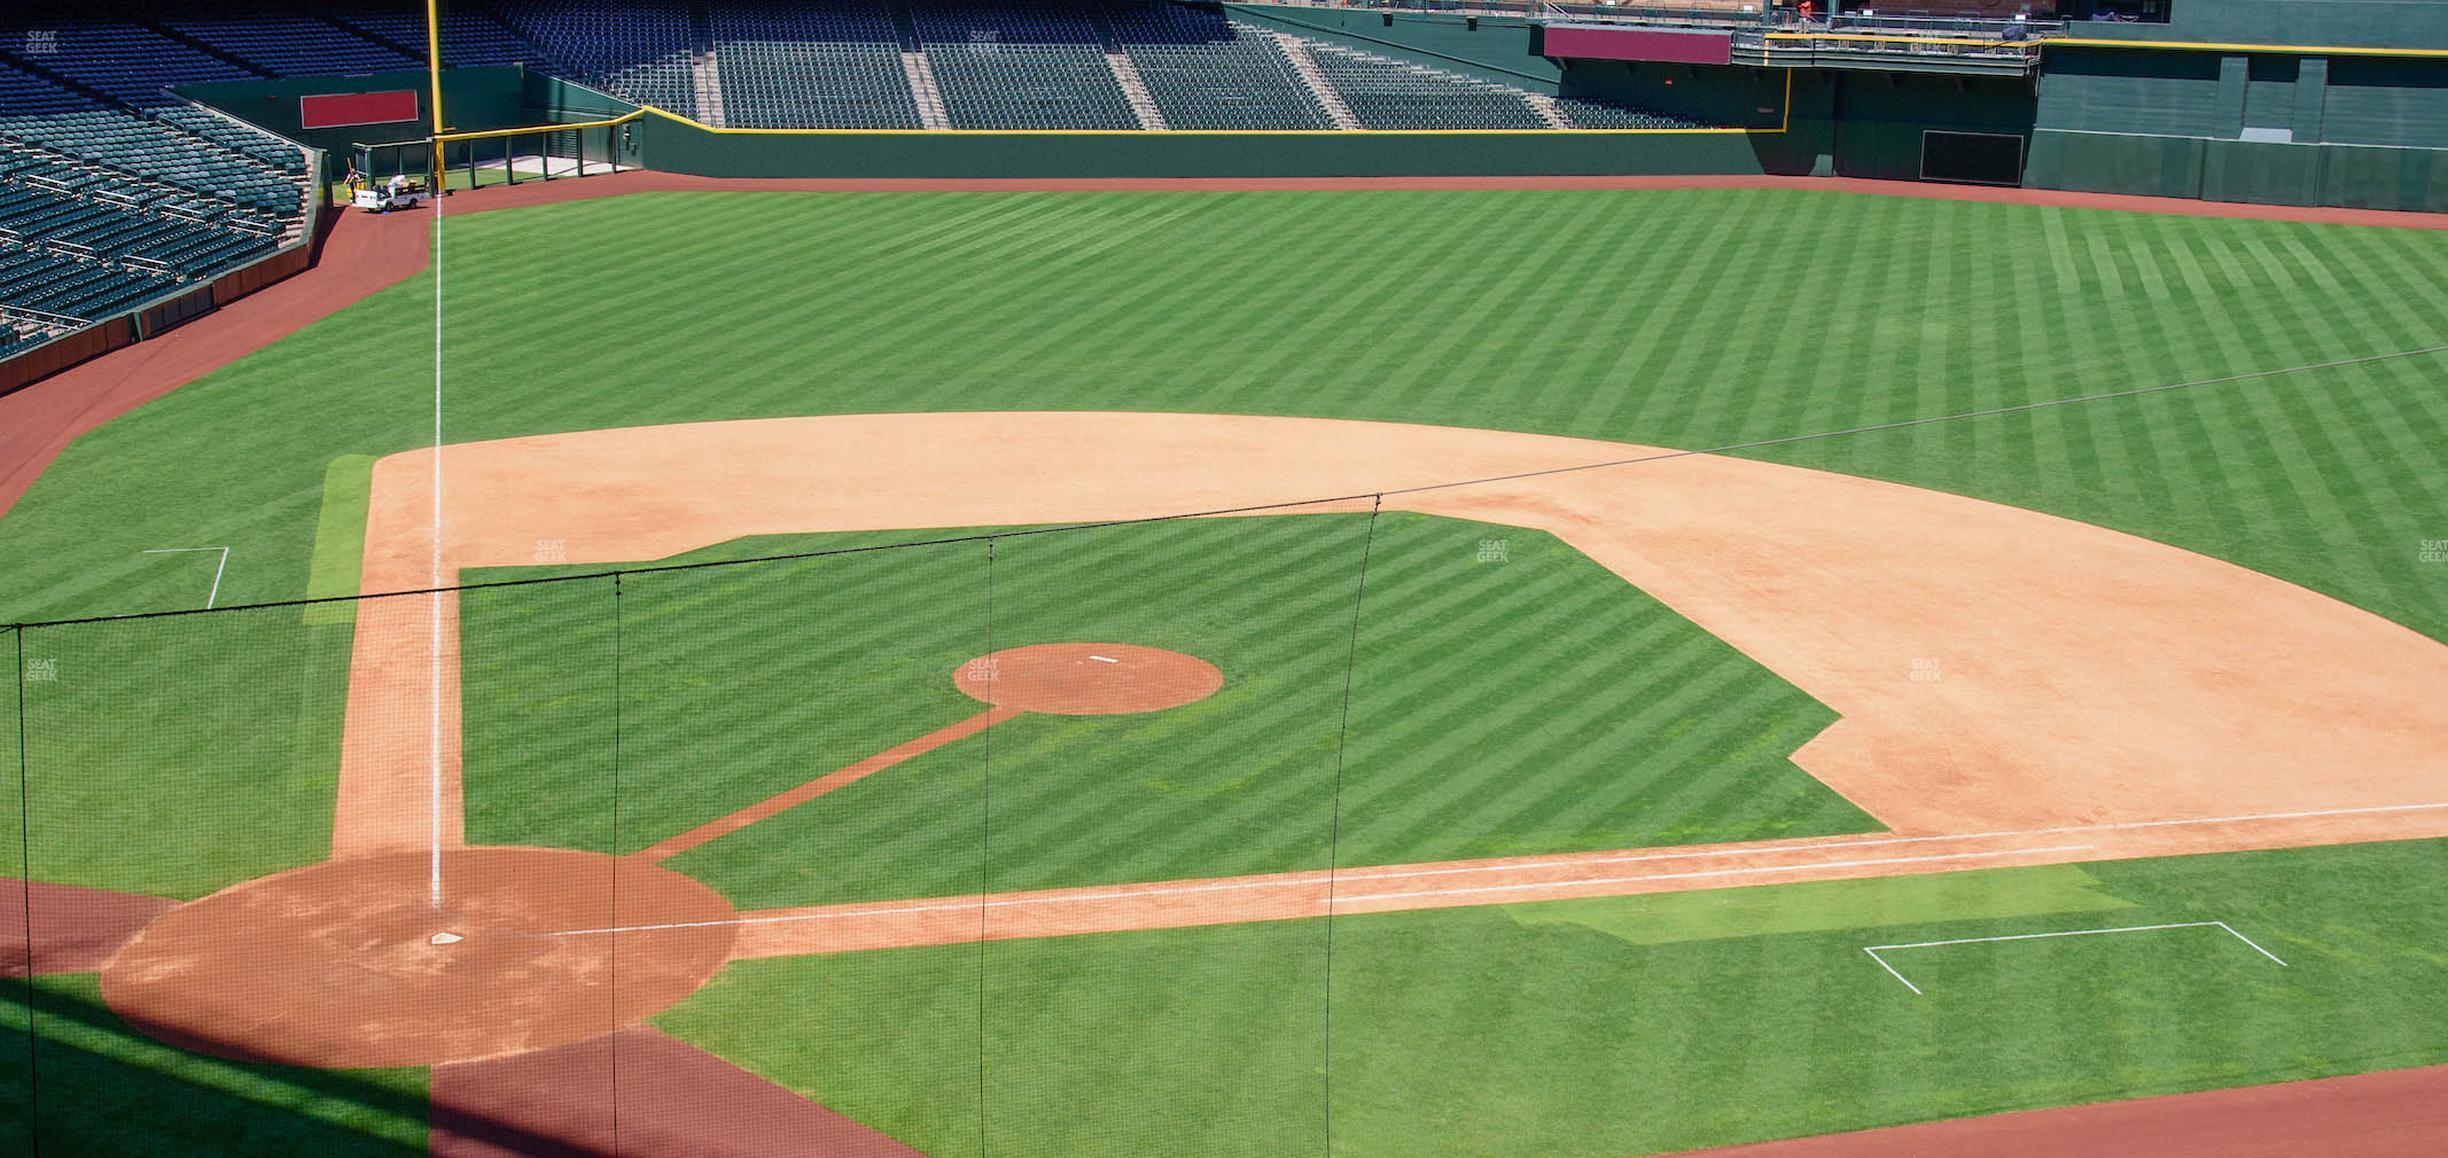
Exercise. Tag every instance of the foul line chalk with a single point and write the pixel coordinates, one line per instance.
(1875, 950)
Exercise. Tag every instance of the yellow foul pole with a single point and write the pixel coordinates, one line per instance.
(433, 65)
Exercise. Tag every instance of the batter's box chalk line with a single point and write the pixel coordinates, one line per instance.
(1892, 971)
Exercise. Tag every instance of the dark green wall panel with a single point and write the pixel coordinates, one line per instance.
(678, 147)
(2115, 163)
(473, 99)
(2387, 102)
(2112, 90)
(2261, 173)
(2361, 23)
(2386, 178)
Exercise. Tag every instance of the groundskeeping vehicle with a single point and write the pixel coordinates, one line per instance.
(393, 195)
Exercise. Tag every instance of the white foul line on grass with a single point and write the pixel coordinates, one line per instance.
(433, 745)
(1875, 950)
(217, 571)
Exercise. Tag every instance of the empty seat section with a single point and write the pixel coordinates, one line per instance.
(634, 49)
(1588, 114)
(794, 66)
(129, 62)
(159, 151)
(1389, 94)
(470, 38)
(1039, 66)
(77, 288)
(24, 94)
(1206, 72)
(292, 43)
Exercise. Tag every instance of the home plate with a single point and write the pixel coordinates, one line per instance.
(447, 938)
(1104, 659)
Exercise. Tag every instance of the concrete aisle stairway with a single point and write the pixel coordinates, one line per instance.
(1126, 74)
(922, 86)
(920, 72)
(1296, 50)
(705, 73)
(1545, 107)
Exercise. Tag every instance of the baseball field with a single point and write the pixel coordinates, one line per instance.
(1380, 671)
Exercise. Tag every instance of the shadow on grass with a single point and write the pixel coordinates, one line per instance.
(88, 1083)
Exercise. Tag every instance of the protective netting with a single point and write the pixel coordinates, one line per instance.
(1012, 841)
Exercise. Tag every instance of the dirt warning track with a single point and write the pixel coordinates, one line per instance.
(2399, 1114)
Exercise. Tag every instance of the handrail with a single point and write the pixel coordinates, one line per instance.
(43, 318)
(549, 127)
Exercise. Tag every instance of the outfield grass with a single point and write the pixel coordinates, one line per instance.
(1692, 318)
(1537, 704)
(174, 756)
(1678, 318)
(1213, 1040)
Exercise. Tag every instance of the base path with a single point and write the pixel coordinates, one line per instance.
(2399, 1114)
(1514, 880)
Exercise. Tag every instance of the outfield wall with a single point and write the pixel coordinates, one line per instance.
(2348, 23)
(2278, 127)
(678, 146)
(2288, 128)
(473, 100)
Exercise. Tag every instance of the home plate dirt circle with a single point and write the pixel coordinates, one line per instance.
(347, 964)
(1088, 679)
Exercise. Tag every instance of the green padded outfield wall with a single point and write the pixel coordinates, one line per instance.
(1860, 124)
(2292, 128)
(681, 147)
(1880, 117)
(473, 98)
(2381, 101)
(2128, 91)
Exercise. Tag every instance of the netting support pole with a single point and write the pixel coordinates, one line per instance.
(25, 884)
(1334, 826)
(433, 69)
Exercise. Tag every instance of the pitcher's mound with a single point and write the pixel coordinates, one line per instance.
(348, 964)
(1088, 679)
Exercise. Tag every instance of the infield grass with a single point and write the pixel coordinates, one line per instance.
(1537, 704)
(174, 756)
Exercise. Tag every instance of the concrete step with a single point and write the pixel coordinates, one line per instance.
(922, 86)
(1126, 74)
(1296, 50)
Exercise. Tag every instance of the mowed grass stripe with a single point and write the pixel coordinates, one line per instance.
(1238, 783)
(724, 306)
